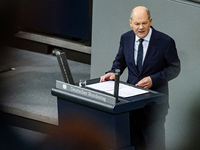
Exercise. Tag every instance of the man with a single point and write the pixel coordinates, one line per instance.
(158, 64)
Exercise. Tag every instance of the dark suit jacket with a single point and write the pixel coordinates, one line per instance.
(161, 62)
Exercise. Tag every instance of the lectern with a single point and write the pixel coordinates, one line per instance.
(109, 118)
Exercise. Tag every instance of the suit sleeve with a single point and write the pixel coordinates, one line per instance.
(171, 68)
(119, 62)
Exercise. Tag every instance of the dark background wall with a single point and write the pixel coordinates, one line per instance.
(63, 18)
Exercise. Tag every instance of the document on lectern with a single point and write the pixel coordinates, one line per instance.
(124, 90)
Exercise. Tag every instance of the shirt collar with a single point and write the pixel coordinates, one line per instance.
(146, 38)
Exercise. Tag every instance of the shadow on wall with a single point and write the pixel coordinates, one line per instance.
(192, 134)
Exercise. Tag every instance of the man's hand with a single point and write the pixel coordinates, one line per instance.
(145, 83)
(108, 76)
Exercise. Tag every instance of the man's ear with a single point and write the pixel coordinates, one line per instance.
(130, 22)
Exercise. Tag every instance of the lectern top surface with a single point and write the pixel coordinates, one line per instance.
(105, 101)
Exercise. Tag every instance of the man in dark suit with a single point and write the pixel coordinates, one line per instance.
(152, 61)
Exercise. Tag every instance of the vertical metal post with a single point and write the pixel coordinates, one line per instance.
(116, 88)
(64, 67)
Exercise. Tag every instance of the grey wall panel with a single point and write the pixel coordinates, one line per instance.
(180, 20)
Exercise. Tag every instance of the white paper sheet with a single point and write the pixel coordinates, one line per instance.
(124, 90)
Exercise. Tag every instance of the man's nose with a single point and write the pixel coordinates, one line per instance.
(141, 26)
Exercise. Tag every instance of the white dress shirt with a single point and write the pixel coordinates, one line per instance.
(145, 44)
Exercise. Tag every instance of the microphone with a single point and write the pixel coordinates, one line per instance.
(116, 88)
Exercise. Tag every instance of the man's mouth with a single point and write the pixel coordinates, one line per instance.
(141, 31)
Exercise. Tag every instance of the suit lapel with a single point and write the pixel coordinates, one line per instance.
(153, 44)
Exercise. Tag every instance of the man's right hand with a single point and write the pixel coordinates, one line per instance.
(108, 76)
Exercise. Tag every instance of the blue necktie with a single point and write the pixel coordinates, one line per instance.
(140, 56)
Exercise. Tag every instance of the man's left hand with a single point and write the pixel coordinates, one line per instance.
(145, 83)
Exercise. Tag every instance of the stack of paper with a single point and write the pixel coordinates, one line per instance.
(124, 90)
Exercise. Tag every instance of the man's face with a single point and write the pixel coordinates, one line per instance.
(140, 24)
